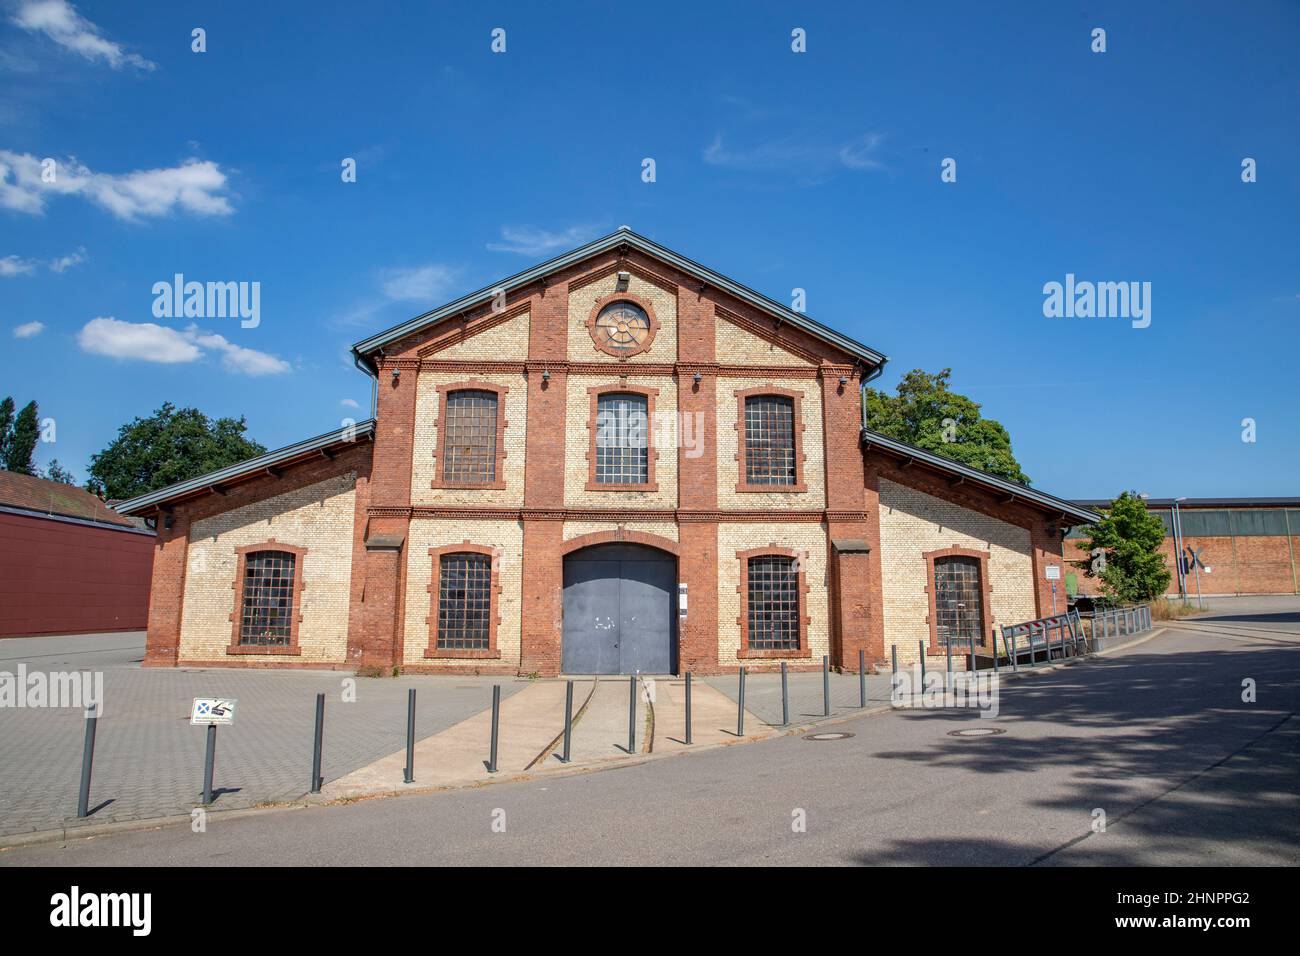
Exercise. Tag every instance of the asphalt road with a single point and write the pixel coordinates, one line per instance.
(1156, 737)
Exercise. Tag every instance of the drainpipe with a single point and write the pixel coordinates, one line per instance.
(374, 385)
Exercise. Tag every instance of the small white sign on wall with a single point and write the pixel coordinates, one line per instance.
(1053, 572)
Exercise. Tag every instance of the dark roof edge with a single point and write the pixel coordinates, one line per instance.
(1022, 492)
(73, 519)
(1200, 502)
(603, 244)
(340, 436)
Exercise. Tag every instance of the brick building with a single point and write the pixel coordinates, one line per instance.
(1248, 544)
(617, 460)
(69, 564)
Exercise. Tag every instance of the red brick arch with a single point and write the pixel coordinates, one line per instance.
(619, 536)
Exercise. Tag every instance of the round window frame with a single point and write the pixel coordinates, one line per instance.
(614, 298)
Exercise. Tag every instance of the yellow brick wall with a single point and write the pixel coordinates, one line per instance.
(912, 523)
(426, 533)
(577, 444)
(814, 472)
(320, 518)
(507, 342)
(736, 346)
(423, 466)
(807, 538)
(664, 302)
(664, 529)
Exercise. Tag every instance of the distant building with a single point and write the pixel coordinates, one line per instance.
(69, 564)
(1248, 544)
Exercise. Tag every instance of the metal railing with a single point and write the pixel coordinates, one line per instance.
(1118, 622)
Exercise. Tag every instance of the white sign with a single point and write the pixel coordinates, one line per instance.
(213, 710)
(1053, 572)
(1208, 569)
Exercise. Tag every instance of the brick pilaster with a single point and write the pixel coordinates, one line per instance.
(167, 591)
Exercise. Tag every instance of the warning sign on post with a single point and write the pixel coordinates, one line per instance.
(213, 710)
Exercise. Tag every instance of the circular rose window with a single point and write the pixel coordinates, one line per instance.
(622, 328)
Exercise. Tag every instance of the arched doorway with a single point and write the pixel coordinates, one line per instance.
(620, 610)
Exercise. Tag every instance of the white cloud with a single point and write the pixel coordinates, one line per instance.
(28, 330)
(531, 241)
(797, 154)
(349, 403)
(148, 342)
(59, 21)
(11, 266)
(64, 263)
(420, 283)
(195, 186)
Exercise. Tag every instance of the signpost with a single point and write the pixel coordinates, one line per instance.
(211, 711)
(1195, 563)
(1053, 575)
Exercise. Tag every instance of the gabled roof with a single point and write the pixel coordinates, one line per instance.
(623, 237)
(40, 495)
(289, 454)
(1010, 489)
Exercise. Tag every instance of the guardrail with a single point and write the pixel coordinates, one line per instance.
(1118, 622)
(1069, 635)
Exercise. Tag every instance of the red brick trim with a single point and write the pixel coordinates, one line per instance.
(494, 592)
(237, 587)
(623, 265)
(475, 385)
(652, 454)
(768, 335)
(620, 536)
(802, 589)
(472, 327)
(742, 482)
(934, 648)
(605, 300)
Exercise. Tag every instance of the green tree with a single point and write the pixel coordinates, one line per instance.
(56, 472)
(20, 441)
(6, 427)
(1129, 537)
(928, 414)
(169, 446)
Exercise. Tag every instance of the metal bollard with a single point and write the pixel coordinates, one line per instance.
(785, 697)
(688, 707)
(893, 676)
(740, 706)
(568, 720)
(631, 714)
(1015, 660)
(862, 674)
(410, 737)
(826, 686)
(496, 720)
(87, 759)
(209, 762)
(972, 653)
(920, 650)
(316, 779)
(995, 652)
(948, 647)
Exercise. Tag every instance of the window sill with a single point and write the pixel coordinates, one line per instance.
(468, 485)
(255, 649)
(598, 486)
(750, 654)
(435, 653)
(797, 489)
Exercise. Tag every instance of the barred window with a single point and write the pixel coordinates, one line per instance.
(769, 440)
(958, 601)
(469, 441)
(773, 603)
(266, 606)
(464, 602)
(622, 440)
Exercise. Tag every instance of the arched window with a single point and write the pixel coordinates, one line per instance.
(769, 452)
(958, 601)
(464, 611)
(267, 611)
(469, 439)
(622, 439)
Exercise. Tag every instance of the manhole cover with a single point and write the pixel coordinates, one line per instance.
(828, 736)
(976, 732)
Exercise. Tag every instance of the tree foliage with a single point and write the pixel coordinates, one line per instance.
(1129, 537)
(169, 446)
(925, 412)
(18, 437)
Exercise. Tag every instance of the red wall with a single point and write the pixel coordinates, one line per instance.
(59, 577)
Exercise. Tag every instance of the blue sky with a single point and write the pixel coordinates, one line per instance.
(818, 170)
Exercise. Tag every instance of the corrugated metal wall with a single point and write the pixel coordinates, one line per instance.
(59, 577)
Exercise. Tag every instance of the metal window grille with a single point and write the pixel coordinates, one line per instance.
(958, 601)
(769, 440)
(266, 608)
(470, 437)
(622, 446)
(464, 602)
(773, 604)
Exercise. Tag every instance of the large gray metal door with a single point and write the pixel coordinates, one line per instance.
(620, 610)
